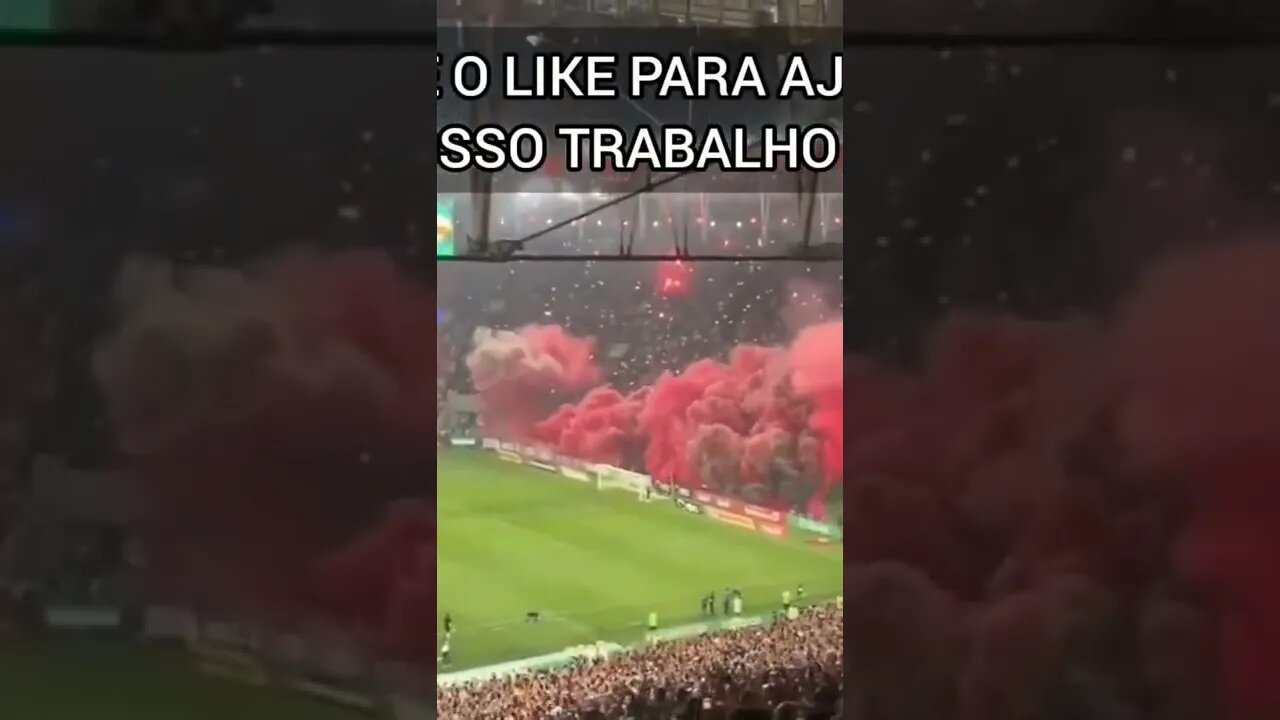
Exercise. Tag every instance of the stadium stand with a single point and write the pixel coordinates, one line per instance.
(787, 669)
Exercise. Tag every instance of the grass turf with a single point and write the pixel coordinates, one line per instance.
(79, 677)
(512, 539)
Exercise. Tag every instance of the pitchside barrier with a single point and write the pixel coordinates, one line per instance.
(321, 668)
(567, 657)
(83, 617)
(730, 511)
(549, 662)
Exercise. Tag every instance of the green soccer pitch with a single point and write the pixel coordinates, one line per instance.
(79, 677)
(594, 563)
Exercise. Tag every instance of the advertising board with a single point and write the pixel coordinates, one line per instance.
(687, 506)
(742, 518)
(806, 524)
(740, 507)
(76, 617)
(702, 502)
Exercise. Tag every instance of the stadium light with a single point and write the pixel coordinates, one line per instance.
(444, 229)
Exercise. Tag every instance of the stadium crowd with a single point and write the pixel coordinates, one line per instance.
(786, 669)
(641, 330)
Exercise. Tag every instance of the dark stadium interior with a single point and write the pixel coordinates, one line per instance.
(137, 154)
(1124, 200)
(210, 162)
(1043, 179)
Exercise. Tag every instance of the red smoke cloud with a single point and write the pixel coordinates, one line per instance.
(597, 428)
(1198, 351)
(1074, 482)
(519, 375)
(268, 417)
(754, 419)
(1034, 470)
(386, 579)
(817, 373)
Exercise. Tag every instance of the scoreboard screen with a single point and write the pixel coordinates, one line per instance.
(444, 228)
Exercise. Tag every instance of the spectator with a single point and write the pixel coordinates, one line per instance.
(790, 669)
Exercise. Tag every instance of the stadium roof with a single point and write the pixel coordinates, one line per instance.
(642, 13)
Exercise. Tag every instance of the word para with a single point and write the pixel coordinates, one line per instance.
(557, 76)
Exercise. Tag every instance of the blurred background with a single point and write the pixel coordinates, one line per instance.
(128, 178)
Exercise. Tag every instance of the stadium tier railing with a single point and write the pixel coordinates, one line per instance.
(602, 650)
(540, 663)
